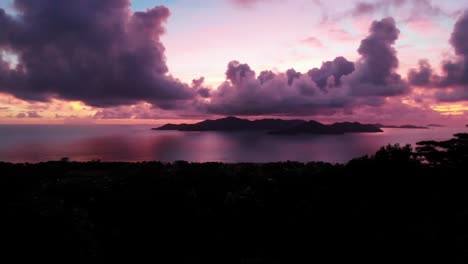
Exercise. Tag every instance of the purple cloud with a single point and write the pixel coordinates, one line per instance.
(247, 3)
(454, 72)
(337, 68)
(337, 86)
(98, 52)
(421, 76)
(289, 93)
(312, 41)
(419, 7)
(375, 73)
(30, 114)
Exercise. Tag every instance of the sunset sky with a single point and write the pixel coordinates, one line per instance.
(148, 61)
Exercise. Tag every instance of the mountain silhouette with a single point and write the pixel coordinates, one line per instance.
(233, 124)
(273, 126)
(314, 127)
(404, 126)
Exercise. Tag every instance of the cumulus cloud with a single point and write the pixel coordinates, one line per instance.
(289, 93)
(98, 52)
(375, 73)
(337, 68)
(454, 72)
(337, 86)
(421, 76)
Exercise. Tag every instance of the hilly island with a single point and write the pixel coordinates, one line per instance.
(274, 126)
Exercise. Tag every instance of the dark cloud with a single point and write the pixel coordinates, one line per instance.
(98, 52)
(459, 38)
(281, 93)
(292, 74)
(366, 8)
(454, 72)
(30, 114)
(362, 8)
(265, 76)
(421, 76)
(375, 73)
(238, 72)
(337, 68)
(197, 84)
(337, 86)
(417, 8)
(204, 92)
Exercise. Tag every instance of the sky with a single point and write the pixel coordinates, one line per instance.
(148, 61)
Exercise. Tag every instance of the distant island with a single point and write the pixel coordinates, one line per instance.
(435, 125)
(274, 126)
(403, 126)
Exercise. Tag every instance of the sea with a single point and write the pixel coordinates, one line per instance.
(136, 143)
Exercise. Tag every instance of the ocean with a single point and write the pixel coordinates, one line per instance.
(37, 143)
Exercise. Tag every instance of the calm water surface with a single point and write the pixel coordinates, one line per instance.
(35, 143)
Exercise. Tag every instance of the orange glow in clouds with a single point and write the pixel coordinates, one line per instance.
(450, 109)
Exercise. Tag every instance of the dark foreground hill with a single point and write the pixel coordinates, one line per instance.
(274, 126)
(397, 205)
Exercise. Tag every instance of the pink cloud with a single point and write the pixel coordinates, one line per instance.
(313, 42)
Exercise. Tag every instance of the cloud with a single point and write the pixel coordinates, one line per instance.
(421, 76)
(375, 73)
(30, 114)
(459, 38)
(288, 93)
(337, 86)
(337, 68)
(142, 111)
(313, 42)
(418, 8)
(98, 52)
(247, 3)
(453, 82)
(21, 115)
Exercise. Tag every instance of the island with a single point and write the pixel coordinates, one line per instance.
(314, 127)
(403, 126)
(273, 126)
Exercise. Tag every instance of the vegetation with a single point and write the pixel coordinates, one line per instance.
(399, 205)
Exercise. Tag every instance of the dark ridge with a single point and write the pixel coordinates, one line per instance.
(403, 126)
(313, 127)
(273, 126)
(233, 124)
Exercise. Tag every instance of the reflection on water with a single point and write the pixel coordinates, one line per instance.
(34, 143)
